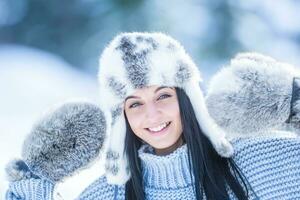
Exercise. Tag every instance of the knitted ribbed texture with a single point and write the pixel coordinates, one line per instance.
(166, 172)
(100, 189)
(33, 189)
(165, 177)
(170, 174)
(272, 167)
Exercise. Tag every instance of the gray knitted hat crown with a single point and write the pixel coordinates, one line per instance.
(135, 60)
(254, 95)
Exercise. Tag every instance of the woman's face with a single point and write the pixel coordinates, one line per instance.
(153, 115)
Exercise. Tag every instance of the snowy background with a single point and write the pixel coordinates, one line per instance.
(49, 51)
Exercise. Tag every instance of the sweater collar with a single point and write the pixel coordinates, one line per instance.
(166, 172)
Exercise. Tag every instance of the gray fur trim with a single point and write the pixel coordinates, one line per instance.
(150, 41)
(65, 140)
(135, 60)
(112, 168)
(112, 155)
(183, 74)
(117, 87)
(116, 112)
(171, 47)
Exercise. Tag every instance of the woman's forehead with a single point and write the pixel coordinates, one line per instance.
(152, 88)
(140, 92)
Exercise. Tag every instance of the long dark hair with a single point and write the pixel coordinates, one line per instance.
(212, 173)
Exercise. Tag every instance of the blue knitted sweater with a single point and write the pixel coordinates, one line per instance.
(271, 166)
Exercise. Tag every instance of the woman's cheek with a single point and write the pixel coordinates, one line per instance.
(169, 105)
(135, 118)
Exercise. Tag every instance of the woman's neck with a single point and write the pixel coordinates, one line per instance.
(170, 149)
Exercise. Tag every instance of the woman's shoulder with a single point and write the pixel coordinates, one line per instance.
(267, 163)
(101, 189)
(266, 144)
(267, 150)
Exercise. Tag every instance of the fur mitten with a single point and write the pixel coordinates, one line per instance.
(63, 141)
(254, 95)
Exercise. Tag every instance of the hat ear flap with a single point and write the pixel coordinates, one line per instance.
(215, 134)
(116, 164)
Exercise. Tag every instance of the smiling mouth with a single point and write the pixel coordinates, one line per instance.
(159, 128)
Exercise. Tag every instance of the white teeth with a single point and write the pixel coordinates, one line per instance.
(158, 128)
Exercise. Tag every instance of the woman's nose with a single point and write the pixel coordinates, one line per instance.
(152, 111)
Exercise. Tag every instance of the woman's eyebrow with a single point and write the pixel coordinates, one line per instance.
(132, 97)
(156, 90)
(162, 87)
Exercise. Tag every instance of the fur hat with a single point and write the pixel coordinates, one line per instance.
(254, 95)
(135, 60)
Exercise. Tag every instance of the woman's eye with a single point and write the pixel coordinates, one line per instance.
(164, 96)
(134, 105)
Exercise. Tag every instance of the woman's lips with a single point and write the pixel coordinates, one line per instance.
(162, 131)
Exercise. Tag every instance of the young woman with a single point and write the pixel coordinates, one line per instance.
(151, 88)
(176, 153)
(162, 143)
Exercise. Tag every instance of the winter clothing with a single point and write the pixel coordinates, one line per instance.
(136, 60)
(272, 167)
(253, 95)
(64, 140)
(30, 189)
